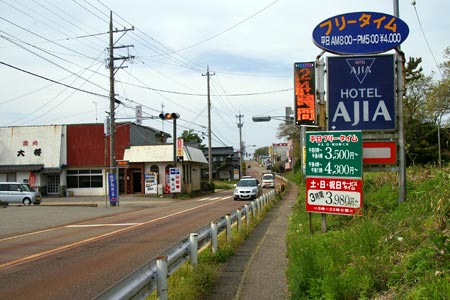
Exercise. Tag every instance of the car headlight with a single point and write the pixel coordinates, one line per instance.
(236, 191)
(254, 190)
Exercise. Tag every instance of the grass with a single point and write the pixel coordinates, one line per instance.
(394, 251)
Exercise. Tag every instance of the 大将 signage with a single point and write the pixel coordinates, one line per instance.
(360, 33)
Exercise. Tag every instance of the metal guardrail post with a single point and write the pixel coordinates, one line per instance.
(161, 266)
(214, 237)
(239, 219)
(247, 214)
(228, 219)
(193, 242)
(253, 209)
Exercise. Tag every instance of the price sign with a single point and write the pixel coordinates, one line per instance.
(334, 153)
(333, 195)
(334, 172)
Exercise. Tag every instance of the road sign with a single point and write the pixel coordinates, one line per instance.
(361, 94)
(334, 172)
(333, 195)
(360, 33)
(334, 154)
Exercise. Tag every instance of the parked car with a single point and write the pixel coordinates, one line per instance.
(268, 180)
(16, 192)
(247, 188)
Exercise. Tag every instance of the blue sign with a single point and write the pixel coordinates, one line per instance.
(361, 94)
(112, 187)
(360, 33)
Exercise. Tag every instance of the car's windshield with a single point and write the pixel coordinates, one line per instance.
(26, 187)
(247, 182)
(267, 177)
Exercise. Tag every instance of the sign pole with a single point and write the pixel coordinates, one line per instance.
(401, 131)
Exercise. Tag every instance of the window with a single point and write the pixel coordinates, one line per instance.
(84, 179)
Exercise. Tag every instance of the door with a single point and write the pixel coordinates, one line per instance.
(53, 184)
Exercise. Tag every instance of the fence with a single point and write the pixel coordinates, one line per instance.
(153, 275)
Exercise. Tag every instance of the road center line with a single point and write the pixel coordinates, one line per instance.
(95, 238)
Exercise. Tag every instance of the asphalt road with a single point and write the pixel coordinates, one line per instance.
(72, 252)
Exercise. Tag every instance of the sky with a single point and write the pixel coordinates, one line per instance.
(53, 59)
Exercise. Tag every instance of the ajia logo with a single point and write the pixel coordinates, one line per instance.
(360, 67)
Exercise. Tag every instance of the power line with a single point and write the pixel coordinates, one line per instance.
(425, 38)
(228, 29)
(52, 80)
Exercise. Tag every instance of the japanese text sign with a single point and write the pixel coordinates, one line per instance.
(334, 172)
(360, 33)
(304, 85)
(112, 187)
(334, 154)
(333, 195)
(175, 180)
(361, 93)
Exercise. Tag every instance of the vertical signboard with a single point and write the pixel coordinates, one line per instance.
(175, 180)
(112, 188)
(361, 94)
(180, 145)
(304, 89)
(334, 172)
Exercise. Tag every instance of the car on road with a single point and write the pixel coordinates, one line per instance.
(16, 192)
(268, 180)
(247, 188)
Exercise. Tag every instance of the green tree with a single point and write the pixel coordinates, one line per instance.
(190, 136)
(418, 142)
(291, 132)
(438, 103)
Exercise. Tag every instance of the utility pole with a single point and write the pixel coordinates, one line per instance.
(209, 124)
(239, 125)
(112, 99)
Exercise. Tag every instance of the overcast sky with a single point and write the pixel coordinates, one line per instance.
(249, 45)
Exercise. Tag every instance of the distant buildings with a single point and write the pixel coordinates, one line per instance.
(73, 159)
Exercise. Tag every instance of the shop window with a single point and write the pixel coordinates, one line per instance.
(84, 178)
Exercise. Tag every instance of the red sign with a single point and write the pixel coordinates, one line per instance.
(304, 84)
(334, 195)
(379, 152)
(180, 145)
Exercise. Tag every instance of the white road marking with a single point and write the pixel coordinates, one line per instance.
(101, 225)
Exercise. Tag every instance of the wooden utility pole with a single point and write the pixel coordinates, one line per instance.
(208, 74)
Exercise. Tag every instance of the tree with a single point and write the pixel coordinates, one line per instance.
(438, 101)
(291, 132)
(189, 136)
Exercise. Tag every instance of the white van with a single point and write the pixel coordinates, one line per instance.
(16, 192)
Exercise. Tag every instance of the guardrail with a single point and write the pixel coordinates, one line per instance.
(153, 275)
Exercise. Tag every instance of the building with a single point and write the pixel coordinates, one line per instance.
(73, 159)
(151, 165)
(225, 163)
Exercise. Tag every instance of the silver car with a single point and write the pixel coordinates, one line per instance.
(247, 189)
(16, 192)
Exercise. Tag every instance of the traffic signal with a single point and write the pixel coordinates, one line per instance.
(169, 116)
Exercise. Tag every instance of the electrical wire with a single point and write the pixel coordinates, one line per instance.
(52, 80)
(426, 39)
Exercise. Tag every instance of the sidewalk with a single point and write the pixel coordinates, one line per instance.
(257, 270)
